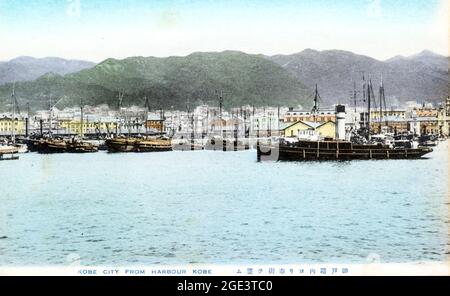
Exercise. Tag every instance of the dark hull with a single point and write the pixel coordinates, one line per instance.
(307, 152)
(115, 146)
(82, 149)
(9, 158)
(49, 147)
(6, 155)
(46, 148)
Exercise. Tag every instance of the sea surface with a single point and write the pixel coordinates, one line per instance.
(221, 207)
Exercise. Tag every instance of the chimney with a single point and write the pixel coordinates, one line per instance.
(340, 122)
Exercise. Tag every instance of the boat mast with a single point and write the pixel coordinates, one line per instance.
(81, 121)
(369, 87)
(316, 103)
(220, 111)
(13, 120)
(147, 110)
(278, 120)
(381, 102)
(383, 98)
(27, 121)
(50, 119)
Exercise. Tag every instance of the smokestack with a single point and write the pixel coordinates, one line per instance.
(340, 122)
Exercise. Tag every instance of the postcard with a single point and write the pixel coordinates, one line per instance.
(224, 138)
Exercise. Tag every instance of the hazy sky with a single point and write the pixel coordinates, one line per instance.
(98, 29)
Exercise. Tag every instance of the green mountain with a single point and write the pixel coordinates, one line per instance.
(168, 83)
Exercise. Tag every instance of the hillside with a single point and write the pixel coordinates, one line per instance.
(170, 82)
(28, 68)
(422, 77)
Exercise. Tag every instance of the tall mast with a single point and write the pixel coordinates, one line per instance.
(13, 120)
(316, 103)
(147, 110)
(316, 98)
(278, 120)
(369, 90)
(364, 96)
(27, 122)
(381, 100)
(220, 95)
(82, 118)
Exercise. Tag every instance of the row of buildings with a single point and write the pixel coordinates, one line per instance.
(417, 120)
(246, 121)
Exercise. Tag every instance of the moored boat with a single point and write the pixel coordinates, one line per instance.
(81, 147)
(54, 145)
(8, 153)
(138, 145)
(335, 150)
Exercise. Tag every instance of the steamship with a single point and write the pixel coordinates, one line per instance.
(340, 148)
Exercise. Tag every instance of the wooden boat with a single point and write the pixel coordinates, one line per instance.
(81, 147)
(47, 146)
(138, 145)
(335, 150)
(8, 153)
(51, 146)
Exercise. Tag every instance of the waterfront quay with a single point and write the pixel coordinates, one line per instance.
(101, 121)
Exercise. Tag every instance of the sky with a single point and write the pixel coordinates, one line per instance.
(98, 29)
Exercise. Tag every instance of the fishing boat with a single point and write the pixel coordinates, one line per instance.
(126, 144)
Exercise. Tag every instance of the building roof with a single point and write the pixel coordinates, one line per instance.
(313, 125)
(156, 117)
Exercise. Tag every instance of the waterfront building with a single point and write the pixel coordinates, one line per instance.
(308, 129)
(155, 122)
(322, 115)
(8, 126)
(76, 127)
(392, 124)
(392, 113)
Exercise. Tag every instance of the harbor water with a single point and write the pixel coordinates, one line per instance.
(221, 208)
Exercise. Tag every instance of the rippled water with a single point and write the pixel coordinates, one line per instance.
(221, 207)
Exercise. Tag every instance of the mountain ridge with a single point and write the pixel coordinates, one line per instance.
(246, 78)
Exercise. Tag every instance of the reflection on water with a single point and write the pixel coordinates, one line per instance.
(216, 207)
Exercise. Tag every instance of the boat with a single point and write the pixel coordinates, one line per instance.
(428, 140)
(335, 150)
(8, 153)
(21, 148)
(81, 147)
(56, 145)
(51, 145)
(126, 144)
(339, 148)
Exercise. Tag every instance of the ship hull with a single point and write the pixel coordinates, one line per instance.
(124, 145)
(48, 147)
(314, 151)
